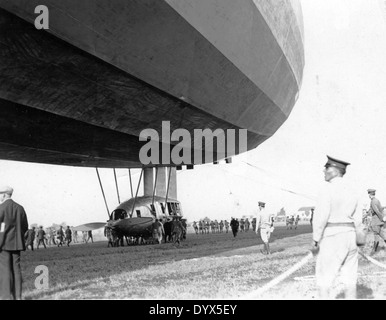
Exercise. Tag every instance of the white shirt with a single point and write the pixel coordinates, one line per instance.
(264, 218)
(337, 202)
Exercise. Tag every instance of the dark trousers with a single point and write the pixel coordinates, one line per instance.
(10, 275)
(41, 241)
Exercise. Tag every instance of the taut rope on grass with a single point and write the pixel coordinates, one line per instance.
(280, 278)
(372, 260)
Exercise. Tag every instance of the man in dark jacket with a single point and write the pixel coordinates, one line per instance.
(377, 219)
(13, 226)
(29, 237)
(41, 237)
(60, 236)
(68, 233)
(234, 226)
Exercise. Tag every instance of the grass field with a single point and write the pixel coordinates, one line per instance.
(210, 266)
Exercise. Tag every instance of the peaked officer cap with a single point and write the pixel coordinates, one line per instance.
(371, 191)
(332, 162)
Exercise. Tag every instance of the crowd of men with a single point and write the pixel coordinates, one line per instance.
(238, 225)
(206, 226)
(38, 237)
(292, 222)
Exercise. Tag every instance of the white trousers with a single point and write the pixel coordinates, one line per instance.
(338, 253)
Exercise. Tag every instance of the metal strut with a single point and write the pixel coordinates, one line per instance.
(116, 186)
(104, 197)
(155, 184)
(139, 182)
(131, 185)
(167, 191)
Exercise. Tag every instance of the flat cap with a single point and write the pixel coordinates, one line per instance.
(371, 191)
(6, 189)
(332, 162)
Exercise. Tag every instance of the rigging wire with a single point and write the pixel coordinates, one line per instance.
(131, 185)
(116, 186)
(273, 186)
(136, 194)
(103, 193)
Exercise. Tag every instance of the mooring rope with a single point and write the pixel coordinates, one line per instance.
(256, 293)
(278, 279)
(372, 260)
(360, 275)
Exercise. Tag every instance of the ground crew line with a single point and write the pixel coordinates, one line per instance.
(280, 278)
(372, 260)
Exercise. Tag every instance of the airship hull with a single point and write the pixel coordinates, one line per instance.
(104, 71)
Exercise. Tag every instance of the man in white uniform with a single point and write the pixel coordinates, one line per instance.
(264, 219)
(336, 215)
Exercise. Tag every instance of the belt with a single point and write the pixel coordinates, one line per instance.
(340, 224)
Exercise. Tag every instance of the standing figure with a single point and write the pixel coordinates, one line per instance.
(89, 237)
(212, 227)
(241, 225)
(216, 227)
(234, 226)
(377, 220)
(221, 225)
(337, 214)
(36, 238)
(52, 233)
(264, 220)
(60, 236)
(41, 237)
(48, 236)
(111, 235)
(158, 231)
(247, 224)
(68, 234)
(184, 228)
(178, 229)
(312, 215)
(297, 221)
(75, 236)
(13, 226)
(226, 223)
(207, 227)
(254, 224)
(29, 237)
(195, 227)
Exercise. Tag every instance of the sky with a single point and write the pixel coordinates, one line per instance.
(341, 112)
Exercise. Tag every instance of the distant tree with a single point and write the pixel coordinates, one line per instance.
(56, 226)
(281, 215)
(281, 212)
